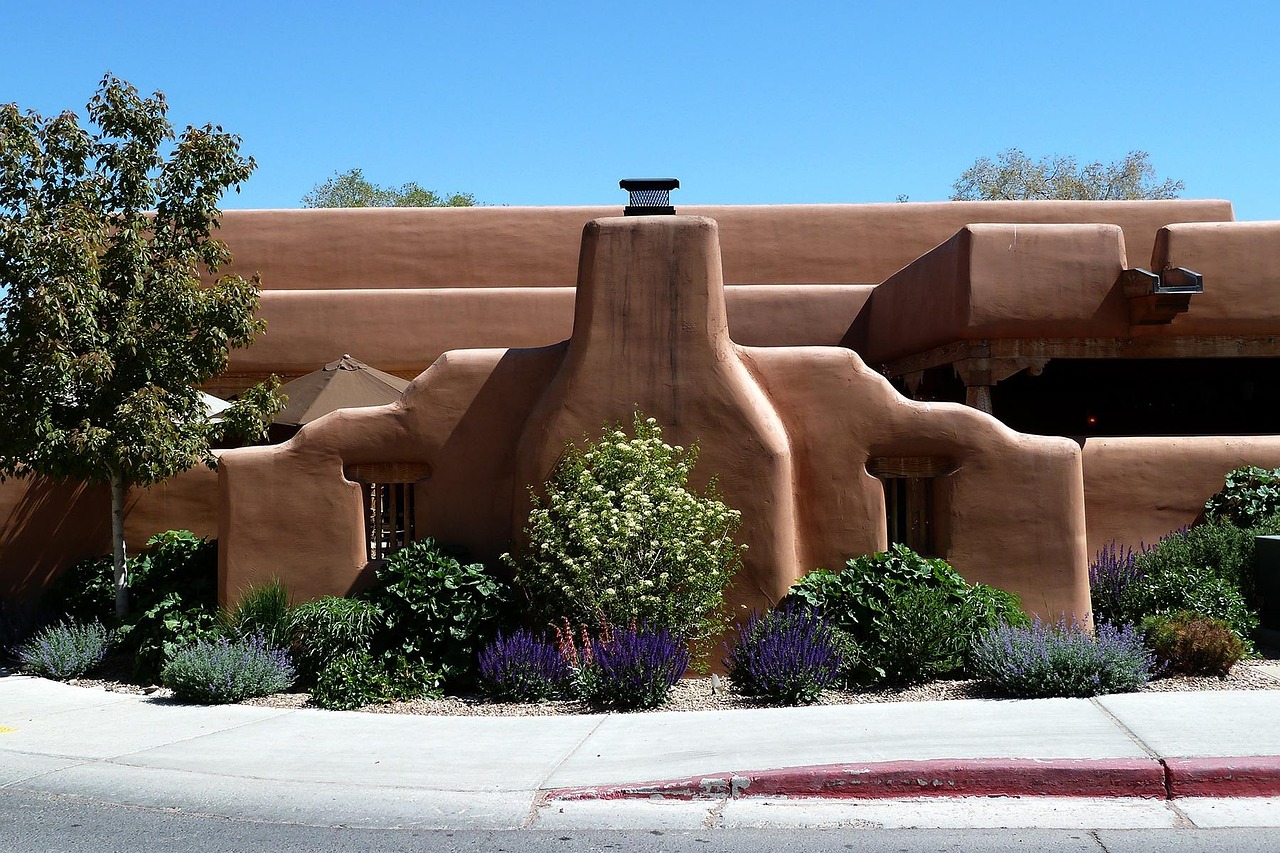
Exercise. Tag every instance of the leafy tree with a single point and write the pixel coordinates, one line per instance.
(351, 189)
(105, 325)
(1015, 176)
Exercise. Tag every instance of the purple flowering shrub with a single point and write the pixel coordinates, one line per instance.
(1113, 575)
(65, 650)
(629, 669)
(220, 671)
(522, 667)
(787, 657)
(1062, 659)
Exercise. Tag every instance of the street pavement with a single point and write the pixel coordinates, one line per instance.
(1147, 760)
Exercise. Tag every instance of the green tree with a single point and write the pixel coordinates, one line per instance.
(106, 328)
(351, 189)
(1015, 176)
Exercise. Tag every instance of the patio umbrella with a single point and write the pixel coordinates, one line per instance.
(343, 384)
(214, 406)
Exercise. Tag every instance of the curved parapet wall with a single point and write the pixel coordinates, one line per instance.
(788, 431)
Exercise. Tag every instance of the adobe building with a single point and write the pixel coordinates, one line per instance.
(1007, 385)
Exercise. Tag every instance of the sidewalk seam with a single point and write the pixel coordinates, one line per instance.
(542, 785)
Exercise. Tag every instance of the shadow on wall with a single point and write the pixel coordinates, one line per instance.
(46, 527)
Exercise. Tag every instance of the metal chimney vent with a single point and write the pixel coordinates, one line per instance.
(649, 196)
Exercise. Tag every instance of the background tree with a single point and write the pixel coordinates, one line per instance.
(1015, 176)
(351, 189)
(105, 325)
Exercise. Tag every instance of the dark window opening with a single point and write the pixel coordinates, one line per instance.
(908, 505)
(389, 518)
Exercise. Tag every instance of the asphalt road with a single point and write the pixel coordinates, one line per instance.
(43, 823)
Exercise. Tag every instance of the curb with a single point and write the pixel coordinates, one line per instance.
(986, 777)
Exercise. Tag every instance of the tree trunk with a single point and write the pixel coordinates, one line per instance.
(117, 543)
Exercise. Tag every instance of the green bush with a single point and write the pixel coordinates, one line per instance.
(357, 679)
(263, 610)
(621, 538)
(329, 628)
(912, 617)
(1193, 644)
(65, 650)
(1205, 569)
(435, 609)
(172, 592)
(1249, 498)
(219, 671)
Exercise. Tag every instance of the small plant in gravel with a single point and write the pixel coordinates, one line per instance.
(65, 650)
(1062, 659)
(220, 671)
(360, 678)
(523, 667)
(632, 669)
(787, 657)
(327, 628)
(1193, 644)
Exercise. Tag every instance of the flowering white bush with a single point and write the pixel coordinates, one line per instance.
(621, 538)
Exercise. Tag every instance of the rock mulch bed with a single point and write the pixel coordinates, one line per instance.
(707, 694)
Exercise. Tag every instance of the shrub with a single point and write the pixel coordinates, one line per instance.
(357, 679)
(523, 667)
(328, 628)
(632, 669)
(1192, 643)
(264, 611)
(1113, 574)
(219, 671)
(1206, 569)
(435, 609)
(787, 657)
(66, 650)
(622, 538)
(1249, 498)
(912, 617)
(1062, 659)
(172, 589)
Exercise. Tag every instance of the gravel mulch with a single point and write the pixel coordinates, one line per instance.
(706, 694)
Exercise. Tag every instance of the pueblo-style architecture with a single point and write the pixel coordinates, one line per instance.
(1007, 385)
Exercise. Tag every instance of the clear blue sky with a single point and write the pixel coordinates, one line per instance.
(744, 102)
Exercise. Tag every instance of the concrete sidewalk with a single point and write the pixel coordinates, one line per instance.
(310, 765)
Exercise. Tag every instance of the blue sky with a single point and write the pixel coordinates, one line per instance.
(744, 102)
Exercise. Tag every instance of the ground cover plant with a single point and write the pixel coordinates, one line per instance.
(65, 650)
(1062, 659)
(222, 670)
(620, 537)
(1193, 644)
(787, 656)
(912, 617)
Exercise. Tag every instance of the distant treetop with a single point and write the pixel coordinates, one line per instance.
(351, 189)
(1015, 176)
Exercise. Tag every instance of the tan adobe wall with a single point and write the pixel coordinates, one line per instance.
(788, 431)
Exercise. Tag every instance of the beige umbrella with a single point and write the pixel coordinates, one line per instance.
(343, 384)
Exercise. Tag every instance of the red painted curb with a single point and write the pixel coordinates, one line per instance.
(1224, 777)
(984, 777)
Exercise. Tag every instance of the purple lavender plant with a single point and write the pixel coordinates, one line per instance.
(523, 667)
(65, 650)
(787, 657)
(221, 671)
(633, 668)
(1062, 659)
(1112, 574)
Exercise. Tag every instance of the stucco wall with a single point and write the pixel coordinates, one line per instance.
(1139, 489)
